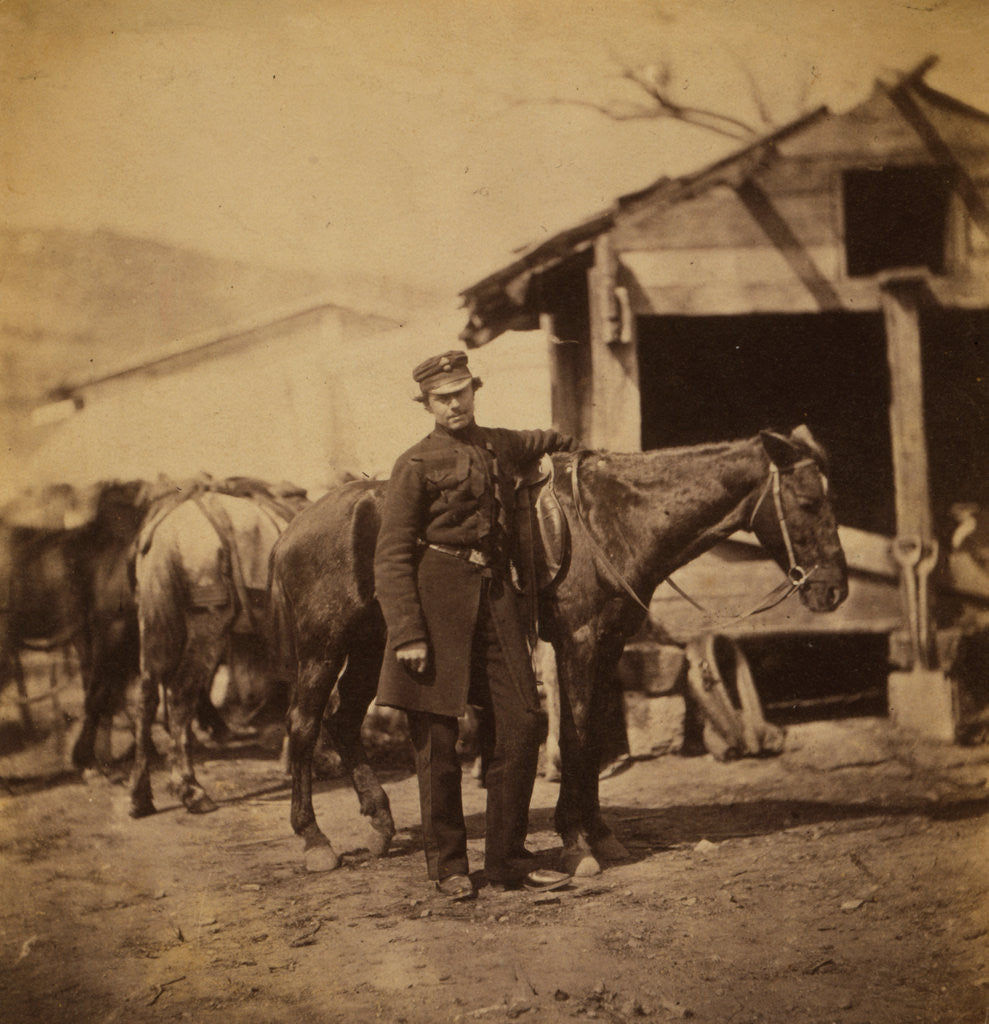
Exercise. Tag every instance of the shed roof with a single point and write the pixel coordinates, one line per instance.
(504, 300)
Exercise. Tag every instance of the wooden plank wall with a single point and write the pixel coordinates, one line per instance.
(774, 243)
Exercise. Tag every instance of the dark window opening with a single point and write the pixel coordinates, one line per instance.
(896, 217)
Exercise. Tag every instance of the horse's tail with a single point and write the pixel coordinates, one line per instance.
(280, 623)
(365, 524)
(160, 595)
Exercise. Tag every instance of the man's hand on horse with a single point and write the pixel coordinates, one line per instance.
(414, 656)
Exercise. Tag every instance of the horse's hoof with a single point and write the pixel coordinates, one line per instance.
(772, 740)
(142, 810)
(609, 848)
(580, 864)
(321, 858)
(200, 805)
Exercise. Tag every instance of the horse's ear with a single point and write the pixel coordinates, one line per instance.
(781, 450)
(802, 435)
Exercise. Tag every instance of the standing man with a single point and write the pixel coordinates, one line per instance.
(455, 630)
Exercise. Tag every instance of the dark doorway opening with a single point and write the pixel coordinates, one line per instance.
(956, 410)
(714, 378)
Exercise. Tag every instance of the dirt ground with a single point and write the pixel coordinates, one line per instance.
(844, 881)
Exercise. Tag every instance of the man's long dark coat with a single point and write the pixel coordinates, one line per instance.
(456, 489)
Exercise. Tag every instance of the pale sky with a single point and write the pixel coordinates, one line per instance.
(421, 139)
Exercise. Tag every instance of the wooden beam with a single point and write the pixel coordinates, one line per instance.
(794, 250)
(901, 300)
(615, 405)
(972, 196)
(922, 699)
(563, 378)
(727, 296)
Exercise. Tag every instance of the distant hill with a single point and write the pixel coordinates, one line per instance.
(73, 305)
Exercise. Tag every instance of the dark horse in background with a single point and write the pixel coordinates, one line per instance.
(633, 519)
(63, 578)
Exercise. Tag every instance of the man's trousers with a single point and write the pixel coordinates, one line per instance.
(510, 732)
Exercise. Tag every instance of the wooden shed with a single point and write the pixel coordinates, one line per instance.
(835, 272)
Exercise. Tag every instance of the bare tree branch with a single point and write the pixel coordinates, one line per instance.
(762, 106)
(654, 81)
(686, 114)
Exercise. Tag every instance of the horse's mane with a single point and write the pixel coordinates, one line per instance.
(656, 464)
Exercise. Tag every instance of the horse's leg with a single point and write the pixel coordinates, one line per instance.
(309, 697)
(141, 802)
(583, 672)
(92, 746)
(58, 718)
(204, 645)
(85, 644)
(103, 744)
(547, 675)
(209, 719)
(84, 748)
(607, 719)
(120, 667)
(356, 688)
(16, 670)
(577, 771)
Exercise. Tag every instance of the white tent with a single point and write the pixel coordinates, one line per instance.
(308, 396)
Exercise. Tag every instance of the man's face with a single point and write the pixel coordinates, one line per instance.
(454, 411)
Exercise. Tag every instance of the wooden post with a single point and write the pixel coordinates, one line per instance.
(563, 378)
(921, 699)
(615, 414)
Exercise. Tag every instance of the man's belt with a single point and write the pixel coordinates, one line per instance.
(471, 555)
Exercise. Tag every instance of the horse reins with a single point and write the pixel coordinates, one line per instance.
(796, 576)
(599, 551)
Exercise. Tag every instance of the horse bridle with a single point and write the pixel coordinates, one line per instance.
(796, 575)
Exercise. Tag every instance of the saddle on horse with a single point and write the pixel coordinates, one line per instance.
(543, 536)
(243, 564)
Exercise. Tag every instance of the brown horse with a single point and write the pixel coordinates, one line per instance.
(633, 519)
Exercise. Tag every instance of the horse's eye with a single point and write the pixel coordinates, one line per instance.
(809, 504)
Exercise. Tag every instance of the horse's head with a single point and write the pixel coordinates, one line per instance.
(794, 521)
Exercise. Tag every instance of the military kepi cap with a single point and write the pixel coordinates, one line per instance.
(443, 374)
